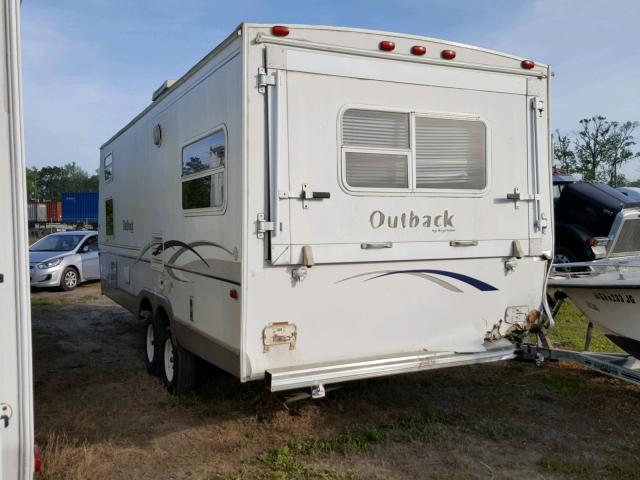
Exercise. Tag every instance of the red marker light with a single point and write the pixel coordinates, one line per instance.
(387, 46)
(418, 50)
(527, 64)
(37, 458)
(280, 30)
(448, 54)
(233, 293)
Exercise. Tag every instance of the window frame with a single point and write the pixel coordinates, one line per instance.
(412, 189)
(208, 172)
(87, 241)
(104, 167)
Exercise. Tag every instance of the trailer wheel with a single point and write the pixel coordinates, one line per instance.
(178, 366)
(69, 279)
(153, 350)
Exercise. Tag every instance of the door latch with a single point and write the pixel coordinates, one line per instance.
(516, 196)
(5, 414)
(305, 195)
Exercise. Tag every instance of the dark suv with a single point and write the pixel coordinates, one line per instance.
(589, 217)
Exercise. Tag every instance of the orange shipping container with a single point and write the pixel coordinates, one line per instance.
(54, 211)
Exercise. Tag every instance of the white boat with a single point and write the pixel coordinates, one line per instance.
(608, 292)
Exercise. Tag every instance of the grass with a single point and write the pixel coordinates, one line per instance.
(287, 462)
(614, 467)
(571, 328)
(43, 301)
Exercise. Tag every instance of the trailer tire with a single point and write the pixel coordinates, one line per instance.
(178, 366)
(152, 350)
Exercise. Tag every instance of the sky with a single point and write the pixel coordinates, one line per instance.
(89, 66)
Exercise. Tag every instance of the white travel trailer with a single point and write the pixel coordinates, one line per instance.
(311, 205)
(16, 398)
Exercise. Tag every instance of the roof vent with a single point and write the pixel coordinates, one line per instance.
(166, 85)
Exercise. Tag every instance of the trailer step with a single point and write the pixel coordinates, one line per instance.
(318, 375)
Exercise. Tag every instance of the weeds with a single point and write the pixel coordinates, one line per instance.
(571, 328)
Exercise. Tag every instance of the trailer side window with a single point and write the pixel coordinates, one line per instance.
(203, 172)
(376, 149)
(108, 167)
(450, 154)
(108, 215)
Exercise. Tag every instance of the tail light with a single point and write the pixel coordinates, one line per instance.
(418, 50)
(233, 293)
(280, 30)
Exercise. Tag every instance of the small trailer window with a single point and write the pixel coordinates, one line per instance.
(203, 172)
(108, 168)
(446, 153)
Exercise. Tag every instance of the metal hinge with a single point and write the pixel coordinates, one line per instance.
(265, 79)
(262, 226)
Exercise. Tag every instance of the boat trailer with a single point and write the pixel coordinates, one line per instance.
(617, 365)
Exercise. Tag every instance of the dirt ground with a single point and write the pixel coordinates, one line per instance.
(99, 415)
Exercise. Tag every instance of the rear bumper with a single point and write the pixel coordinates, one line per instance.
(328, 373)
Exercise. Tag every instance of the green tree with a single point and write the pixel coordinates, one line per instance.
(593, 147)
(620, 151)
(33, 177)
(48, 183)
(563, 153)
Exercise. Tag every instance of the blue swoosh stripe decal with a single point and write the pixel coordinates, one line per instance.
(474, 282)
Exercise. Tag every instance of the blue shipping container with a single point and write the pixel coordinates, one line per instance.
(80, 207)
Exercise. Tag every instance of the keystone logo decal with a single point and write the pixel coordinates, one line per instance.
(437, 223)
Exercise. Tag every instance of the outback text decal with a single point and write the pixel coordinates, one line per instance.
(127, 225)
(437, 223)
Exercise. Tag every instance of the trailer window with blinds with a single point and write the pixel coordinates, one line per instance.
(378, 152)
(203, 172)
(376, 149)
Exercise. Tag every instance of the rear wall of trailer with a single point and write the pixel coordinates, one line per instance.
(438, 284)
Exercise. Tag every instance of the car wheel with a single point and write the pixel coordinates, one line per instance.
(178, 366)
(153, 350)
(69, 279)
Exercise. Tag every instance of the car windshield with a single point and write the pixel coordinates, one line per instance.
(57, 243)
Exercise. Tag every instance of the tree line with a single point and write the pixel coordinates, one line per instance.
(598, 150)
(48, 183)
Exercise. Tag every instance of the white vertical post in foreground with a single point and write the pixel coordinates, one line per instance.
(16, 396)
